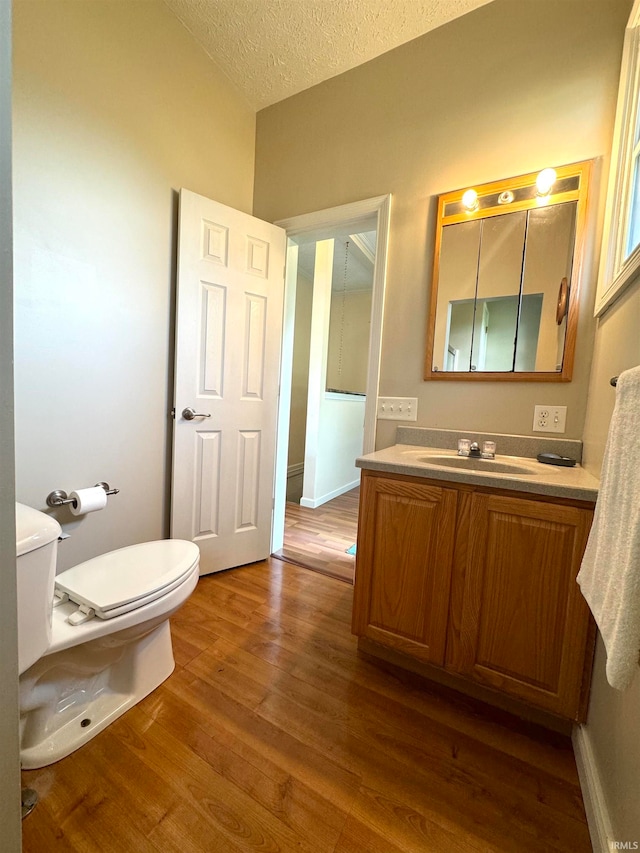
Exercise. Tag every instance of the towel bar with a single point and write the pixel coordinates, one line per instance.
(613, 381)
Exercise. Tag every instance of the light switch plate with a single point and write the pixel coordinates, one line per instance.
(549, 418)
(398, 408)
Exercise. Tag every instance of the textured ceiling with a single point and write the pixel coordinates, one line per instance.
(271, 49)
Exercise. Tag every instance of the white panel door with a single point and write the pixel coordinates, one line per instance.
(228, 334)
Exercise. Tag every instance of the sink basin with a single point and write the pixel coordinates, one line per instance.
(473, 463)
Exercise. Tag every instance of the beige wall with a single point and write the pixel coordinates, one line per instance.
(502, 91)
(9, 757)
(348, 345)
(115, 108)
(613, 724)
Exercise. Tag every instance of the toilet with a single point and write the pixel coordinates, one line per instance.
(93, 640)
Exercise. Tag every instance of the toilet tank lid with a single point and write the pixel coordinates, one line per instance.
(34, 529)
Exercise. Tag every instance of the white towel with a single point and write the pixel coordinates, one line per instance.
(609, 577)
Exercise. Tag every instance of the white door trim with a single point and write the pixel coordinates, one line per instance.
(284, 399)
(344, 215)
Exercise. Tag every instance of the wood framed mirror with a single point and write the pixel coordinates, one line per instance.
(506, 278)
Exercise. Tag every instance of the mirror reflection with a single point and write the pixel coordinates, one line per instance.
(501, 293)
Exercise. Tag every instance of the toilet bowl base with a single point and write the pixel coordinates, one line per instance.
(68, 697)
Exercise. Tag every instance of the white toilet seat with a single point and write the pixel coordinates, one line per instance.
(65, 635)
(128, 578)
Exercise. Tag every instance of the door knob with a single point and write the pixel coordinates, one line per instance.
(189, 414)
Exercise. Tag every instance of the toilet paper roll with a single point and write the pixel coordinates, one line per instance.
(88, 500)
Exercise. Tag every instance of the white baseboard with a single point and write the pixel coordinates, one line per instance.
(595, 805)
(316, 502)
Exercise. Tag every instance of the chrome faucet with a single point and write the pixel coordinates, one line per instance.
(472, 448)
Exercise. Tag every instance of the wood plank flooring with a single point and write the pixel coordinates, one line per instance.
(273, 734)
(318, 538)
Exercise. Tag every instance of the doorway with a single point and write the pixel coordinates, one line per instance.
(323, 539)
(334, 301)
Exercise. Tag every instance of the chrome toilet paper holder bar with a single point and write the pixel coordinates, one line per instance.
(58, 497)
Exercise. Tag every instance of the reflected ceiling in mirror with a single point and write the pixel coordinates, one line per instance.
(504, 299)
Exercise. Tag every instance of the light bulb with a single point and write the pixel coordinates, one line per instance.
(470, 200)
(545, 180)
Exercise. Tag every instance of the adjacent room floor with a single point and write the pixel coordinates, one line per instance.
(320, 538)
(273, 734)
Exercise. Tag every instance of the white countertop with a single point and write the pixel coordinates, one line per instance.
(533, 477)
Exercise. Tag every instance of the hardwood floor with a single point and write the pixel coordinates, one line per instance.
(318, 538)
(274, 735)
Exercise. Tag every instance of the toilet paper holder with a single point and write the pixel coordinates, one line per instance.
(59, 497)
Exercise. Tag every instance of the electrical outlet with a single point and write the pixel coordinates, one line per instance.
(549, 418)
(398, 408)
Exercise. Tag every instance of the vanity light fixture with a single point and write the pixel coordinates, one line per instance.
(470, 200)
(545, 180)
(506, 197)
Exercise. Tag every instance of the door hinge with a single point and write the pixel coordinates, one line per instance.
(173, 413)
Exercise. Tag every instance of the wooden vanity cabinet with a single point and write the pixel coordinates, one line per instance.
(479, 582)
(404, 556)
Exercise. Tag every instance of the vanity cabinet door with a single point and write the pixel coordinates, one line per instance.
(403, 569)
(525, 628)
